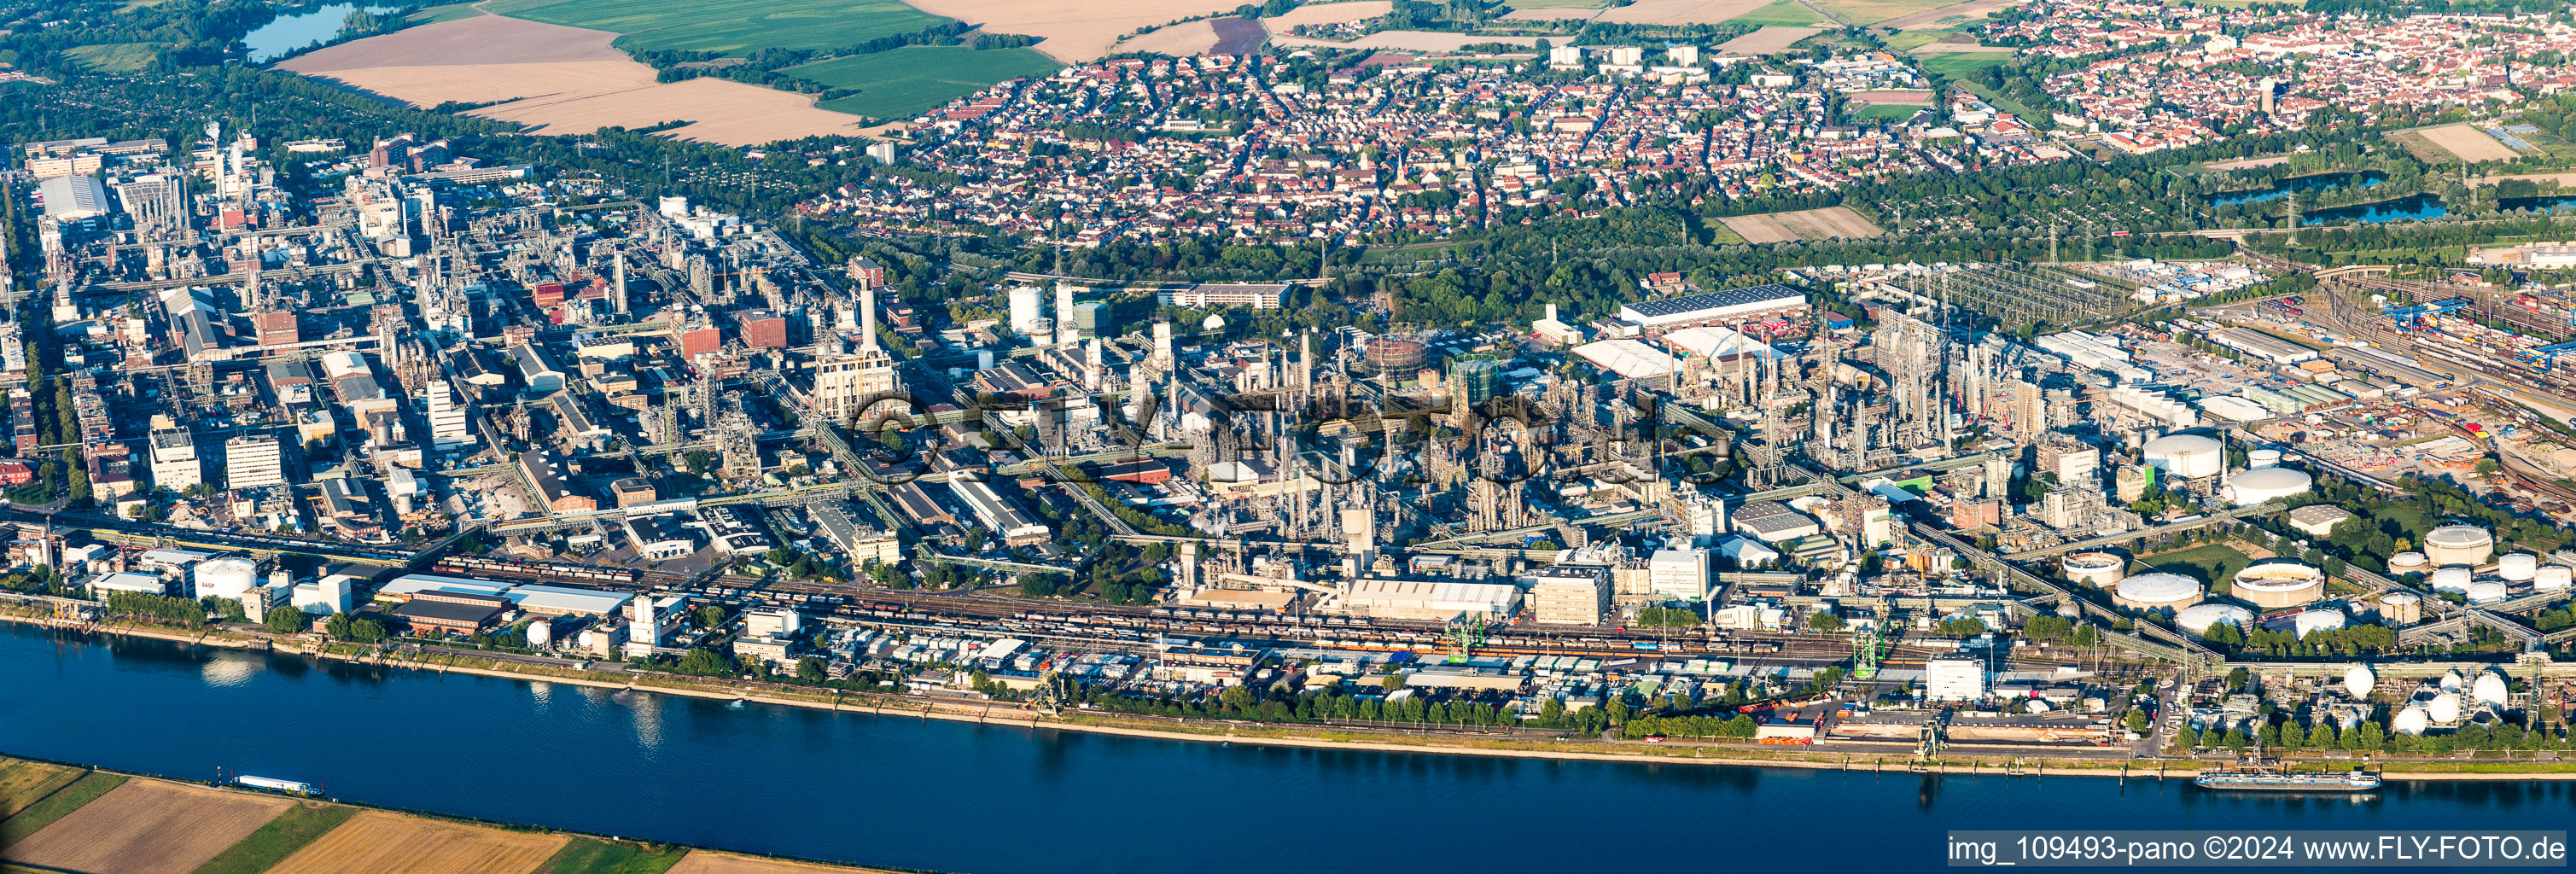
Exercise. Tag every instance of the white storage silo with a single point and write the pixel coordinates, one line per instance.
(2444, 709)
(541, 632)
(2263, 458)
(2359, 681)
(2157, 590)
(2552, 577)
(2199, 618)
(225, 577)
(2256, 486)
(2097, 569)
(2518, 566)
(2317, 620)
(2274, 583)
(2402, 608)
(2451, 681)
(2405, 563)
(2412, 720)
(2189, 456)
(2451, 579)
(2484, 591)
(2459, 545)
(2489, 688)
(1024, 309)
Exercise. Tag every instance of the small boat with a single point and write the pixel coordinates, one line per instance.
(2271, 776)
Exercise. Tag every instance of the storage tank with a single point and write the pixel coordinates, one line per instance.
(1024, 308)
(541, 632)
(2199, 618)
(2157, 590)
(2451, 681)
(2096, 569)
(2552, 578)
(2317, 620)
(2402, 608)
(2489, 689)
(2359, 681)
(2458, 545)
(2409, 563)
(2412, 720)
(2189, 456)
(2483, 591)
(225, 577)
(2256, 486)
(2263, 458)
(2275, 583)
(2451, 579)
(2444, 709)
(2518, 566)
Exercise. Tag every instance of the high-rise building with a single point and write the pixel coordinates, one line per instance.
(254, 461)
(1678, 573)
(844, 384)
(174, 460)
(448, 427)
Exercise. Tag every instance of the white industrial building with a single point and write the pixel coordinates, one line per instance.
(1678, 573)
(1433, 600)
(1716, 307)
(1569, 594)
(254, 461)
(1954, 678)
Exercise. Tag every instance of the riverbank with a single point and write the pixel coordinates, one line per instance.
(1998, 759)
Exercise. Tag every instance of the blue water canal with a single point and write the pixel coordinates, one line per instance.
(959, 797)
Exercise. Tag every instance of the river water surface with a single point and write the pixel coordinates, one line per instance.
(959, 797)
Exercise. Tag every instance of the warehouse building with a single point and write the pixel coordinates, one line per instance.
(2262, 345)
(1569, 594)
(856, 534)
(1429, 600)
(1758, 303)
(1774, 522)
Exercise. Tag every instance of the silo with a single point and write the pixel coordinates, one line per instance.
(2199, 618)
(1024, 308)
(2275, 583)
(2451, 579)
(2405, 563)
(2189, 456)
(2552, 577)
(225, 577)
(2483, 591)
(2518, 566)
(2262, 458)
(2402, 608)
(2458, 545)
(2097, 569)
(2156, 591)
(2451, 681)
(2317, 620)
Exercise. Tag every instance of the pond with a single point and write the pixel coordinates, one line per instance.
(2311, 183)
(300, 30)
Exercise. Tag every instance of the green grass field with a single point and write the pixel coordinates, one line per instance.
(56, 806)
(1556, 4)
(733, 27)
(2213, 563)
(1788, 12)
(115, 57)
(449, 12)
(1961, 65)
(588, 856)
(1889, 111)
(21, 783)
(908, 80)
(278, 839)
(1906, 41)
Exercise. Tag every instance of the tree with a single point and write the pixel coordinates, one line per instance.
(285, 620)
(2136, 720)
(1825, 622)
(2236, 679)
(810, 670)
(710, 616)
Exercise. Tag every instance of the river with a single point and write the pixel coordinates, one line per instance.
(960, 797)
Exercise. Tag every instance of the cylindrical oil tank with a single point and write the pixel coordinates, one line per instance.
(2199, 618)
(2097, 569)
(2402, 608)
(2518, 566)
(2189, 456)
(2483, 591)
(2157, 591)
(2552, 577)
(2317, 620)
(2458, 545)
(1396, 354)
(2263, 458)
(2409, 563)
(2451, 579)
(2272, 584)
(2256, 486)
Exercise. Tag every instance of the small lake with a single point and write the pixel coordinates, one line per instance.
(2409, 208)
(2311, 183)
(299, 30)
(2554, 204)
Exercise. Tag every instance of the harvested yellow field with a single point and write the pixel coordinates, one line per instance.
(1833, 222)
(707, 862)
(495, 83)
(1973, 10)
(488, 39)
(1333, 13)
(1860, 12)
(1555, 13)
(22, 783)
(1680, 11)
(376, 842)
(1179, 40)
(1409, 40)
(1074, 31)
(1770, 38)
(2468, 143)
(719, 111)
(148, 827)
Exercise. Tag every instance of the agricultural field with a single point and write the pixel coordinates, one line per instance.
(1337, 13)
(732, 27)
(2464, 142)
(441, 14)
(706, 862)
(1556, 4)
(1771, 38)
(1961, 65)
(1950, 16)
(114, 57)
(280, 838)
(1073, 31)
(718, 111)
(1180, 40)
(377, 842)
(35, 817)
(22, 783)
(148, 827)
(904, 82)
(1833, 222)
(1784, 12)
(1681, 11)
(1859, 12)
(1409, 40)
